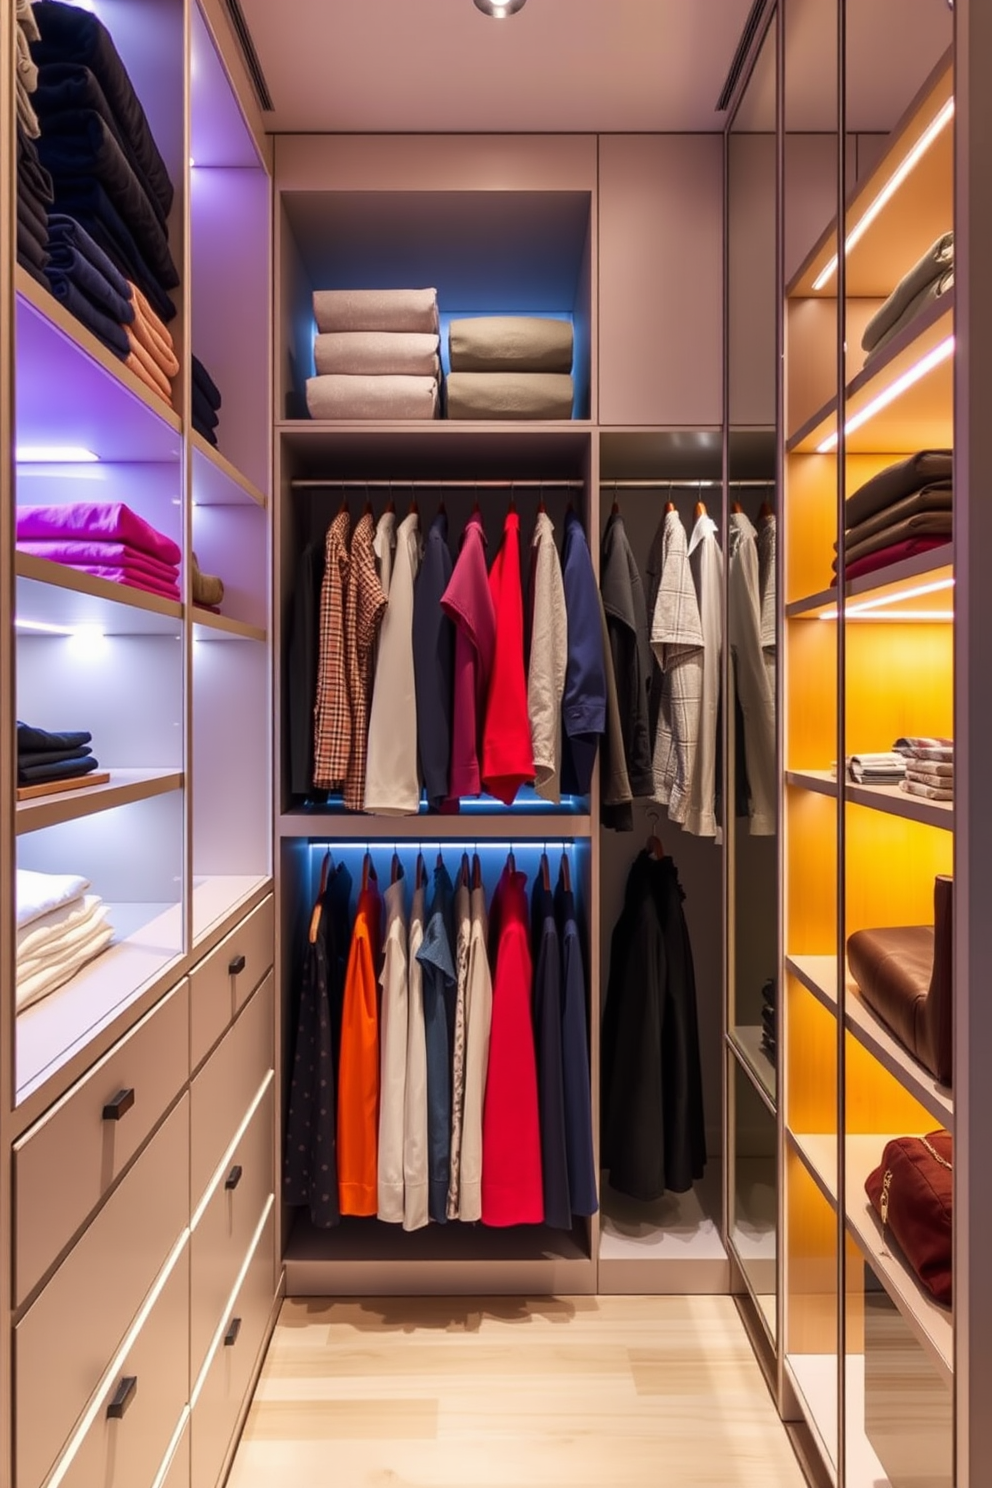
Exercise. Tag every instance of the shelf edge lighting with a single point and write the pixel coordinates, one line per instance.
(55, 454)
(895, 390)
(926, 139)
(869, 608)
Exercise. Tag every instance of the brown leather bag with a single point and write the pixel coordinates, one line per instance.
(906, 976)
(912, 1193)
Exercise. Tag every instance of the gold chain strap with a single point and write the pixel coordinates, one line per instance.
(935, 1154)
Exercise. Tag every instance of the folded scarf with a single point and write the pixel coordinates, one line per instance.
(372, 397)
(70, 34)
(938, 258)
(203, 415)
(939, 496)
(150, 333)
(89, 205)
(510, 343)
(885, 557)
(205, 383)
(30, 738)
(928, 296)
(110, 554)
(68, 770)
(33, 988)
(376, 310)
(896, 481)
(69, 243)
(921, 524)
(48, 929)
(509, 395)
(929, 776)
(40, 950)
(40, 894)
(942, 769)
(929, 792)
(104, 326)
(108, 521)
(377, 353)
(31, 249)
(151, 379)
(151, 373)
(78, 143)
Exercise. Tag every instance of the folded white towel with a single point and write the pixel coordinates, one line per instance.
(52, 976)
(61, 942)
(49, 929)
(377, 353)
(40, 893)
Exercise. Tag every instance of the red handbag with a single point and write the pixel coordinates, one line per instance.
(911, 1191)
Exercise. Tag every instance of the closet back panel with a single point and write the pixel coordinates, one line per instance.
(752, 320)
(230, 757)
(660, 279)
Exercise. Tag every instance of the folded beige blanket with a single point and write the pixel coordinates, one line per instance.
(938, 258)
(509, 395)
(53, 974)
(394, 397)
(375, 310)
(510, 343)
(378, 353)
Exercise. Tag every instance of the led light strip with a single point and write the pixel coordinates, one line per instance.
(870, 606)
(926, 139)
(172, 1448)
(889, 395)
(231, 1301)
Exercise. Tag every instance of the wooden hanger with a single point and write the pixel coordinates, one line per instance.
(540, 500)
(615, 508)
(368, 503)
(420, 872)
(766, 509)
(669, 504)
(414, 508)
(396, 869)
(654, 843)
(545, 873)
(464, 875)
(390, 504)
(318, 908)
(566, 873)
(342, 509)
(476, 871)
(367, 871)
(511, 861)
(700, 507)
(513, 503)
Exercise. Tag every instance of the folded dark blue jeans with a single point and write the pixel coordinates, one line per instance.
(206, 384)
(109, 331)
(88, 203)
(207, 433)
(66, 262)
(203, 415)
(30, 737)
(70, 34)
(32, 177)
(78, 143)
(69, 770)
(65, 231)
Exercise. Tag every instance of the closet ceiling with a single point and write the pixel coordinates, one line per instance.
(440, 65)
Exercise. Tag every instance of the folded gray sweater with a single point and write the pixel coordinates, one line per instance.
(377, 353)
(376, 310)
(510, 343)
(390, 397)
(935, 262)
(938, 497)
(896, 481)
(935, 290)
(509, 395)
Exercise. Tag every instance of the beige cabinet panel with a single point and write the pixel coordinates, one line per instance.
(222, 981)
(222, 1092)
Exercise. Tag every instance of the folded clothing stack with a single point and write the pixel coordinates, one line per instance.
(35, 193)
(375, 354)
(929, 767)
(928, 280)
(97, 144)
(103, 538)
(208, 589)
(885, 768)
(25, 71)
(510, 367)
(59, 929)
(151, 353)
(904, 510)
(769, 1043)
(44, 757)
(206, 402)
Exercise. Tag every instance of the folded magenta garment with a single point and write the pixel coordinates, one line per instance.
(77, 144)
(129, 578)
(106, 521)
(104, 326)
(71, 34)
(89, 205)
(68, 240)
(205, 383)
(108, 554)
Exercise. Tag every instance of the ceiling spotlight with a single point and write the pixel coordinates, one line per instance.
(500, 9)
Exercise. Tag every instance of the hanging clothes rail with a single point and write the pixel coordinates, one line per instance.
(686, 483)
(467, 484)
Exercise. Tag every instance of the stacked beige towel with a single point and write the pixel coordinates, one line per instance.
(376, 354)
(510, 367)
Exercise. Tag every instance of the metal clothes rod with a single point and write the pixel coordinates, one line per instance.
(438, 485)
(683, 482)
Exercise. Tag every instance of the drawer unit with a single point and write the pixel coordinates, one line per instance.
(223, 1090)
(222, 982)
(65, 1164)
(224, 1229)
(131, 1432)
(68, 1336)
(216, 1409)
(178, 1473)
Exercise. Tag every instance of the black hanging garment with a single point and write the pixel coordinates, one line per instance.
(575, 1054)
(548, 1045)
(310, 1171)
(653, 1136)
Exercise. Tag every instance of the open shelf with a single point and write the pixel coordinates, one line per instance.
(121, 609)
(72, 390)
(818, 1154)
(819, 975)
(673, 1245)
(123, 789)
(745, 1040)
(221, 897)
(888, 798)
(932, 1324)
(888, 593)
(210, 627)
(217, 482)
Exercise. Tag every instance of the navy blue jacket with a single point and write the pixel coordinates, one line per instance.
(434, 661)
(584, 700)
(575, 1058)
(439, 990)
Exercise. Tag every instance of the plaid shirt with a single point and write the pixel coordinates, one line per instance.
(677, 642)
(364, 606)
(332, 707)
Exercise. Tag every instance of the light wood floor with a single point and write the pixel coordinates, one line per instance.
(585, 1392)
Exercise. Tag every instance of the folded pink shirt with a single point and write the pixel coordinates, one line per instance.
(129, 578)
(106, 521)
(108, 554)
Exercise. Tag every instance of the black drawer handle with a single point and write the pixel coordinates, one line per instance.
(237, 965)
(231, 1336)
(120, 1105)
(124, 1394)
(234, 1177)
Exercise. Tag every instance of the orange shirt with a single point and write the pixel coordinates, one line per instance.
(358, 1069)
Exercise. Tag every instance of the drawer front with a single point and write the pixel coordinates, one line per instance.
(215, 1413)
(223, 981)
(69, 1335)
(224, 1230)
(66, 1163)
(126, 1450)
(178, 1474)
(224, 1088)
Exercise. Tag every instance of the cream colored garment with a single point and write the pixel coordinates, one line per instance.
(548, 659)
(47, 929)
(706, 565)
(392, 783)
(42, 948)
(677, 642)
(415, 1166)
(478, 1019)
(753, 690)
(42, 893)
(393, 1036)
(766, 588)
(463, 929)
(384, 547)
(55, 973)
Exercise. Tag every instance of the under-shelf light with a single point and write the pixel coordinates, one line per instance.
(895, 390)
(43, 628)
(888, 191)
(875, 609)
(55, 454)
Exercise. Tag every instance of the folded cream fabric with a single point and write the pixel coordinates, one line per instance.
(26, 20)
(40, 893)
(938, 258)
(375, 310)
(34, 988)
(378, 353)
(931, 292)
(395, 397)
(936, 497)
(509, 395)
(510, 343)
(65, 945)
(48, 929)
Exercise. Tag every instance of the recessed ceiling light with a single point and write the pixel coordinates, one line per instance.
(500, 9)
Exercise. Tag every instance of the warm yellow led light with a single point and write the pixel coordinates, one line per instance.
(895, 390)
(889, 190)
(903, 594)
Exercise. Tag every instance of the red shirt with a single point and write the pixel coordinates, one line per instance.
(468, 602)
(507, 753)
